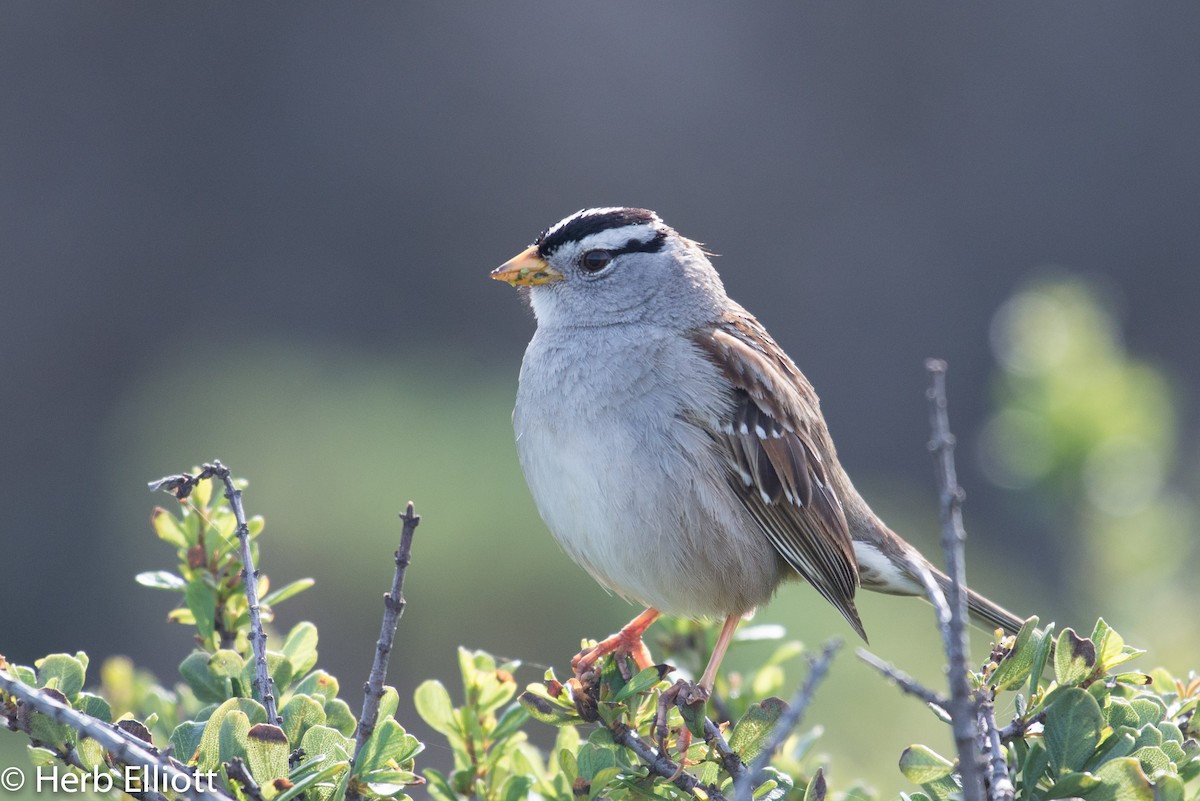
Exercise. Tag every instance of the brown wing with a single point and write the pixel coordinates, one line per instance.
(773, 440)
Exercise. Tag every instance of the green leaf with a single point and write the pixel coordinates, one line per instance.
(232, 738)
(751, 732)
(389, 702)
(299, 713)
(319, 683)
(1036, 764)
(515, 788)
(1119, 713)
(510, 722)
(226, 663)
(301, 645)
(334, 745)
(1040, 656)
(91, 754)
(603, 780)
(693, 715)
(776, 787)
(439, 788)
(219, 743)
(45, 731)
(304, 784)
(1119, 743)
(1148, 735)
(543, 708)
(339, 716)
(1149, 709)
(201, 601)
(1153, 759)
(288, 591)
(95, 706)
(1074, 659)
(921, 765)
(1168, 788)
(816, 788)
(1014, 669)
(433, 704)
(1070, 785)
(388, 746)
(644, 680)
(61, 672)
(1121, 780)
(1135, 678)
(267, 753)
(161, 580)
(207, 685)
(167, 528)
(593, 758)
(185, 740)
(1072, 729)
(42, 757)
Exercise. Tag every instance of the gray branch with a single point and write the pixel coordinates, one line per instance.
(954, 632)
(999, 782)
(907, 683)
(181, 486)
(393, 608)
(731, 761)
(661, 765)
(743, 788)
(124, 747)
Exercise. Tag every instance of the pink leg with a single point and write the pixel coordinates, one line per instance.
(710, 672)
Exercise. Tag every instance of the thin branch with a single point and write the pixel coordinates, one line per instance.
(954, 633)
(907, 683)
(1020, 725)
(790, 719)
(124, 747)
(999, 781)
(393, 608)
(731, 761)
(661, 765)
(181, 486)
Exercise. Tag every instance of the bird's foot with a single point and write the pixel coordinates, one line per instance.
(625, 644)
(690, 698)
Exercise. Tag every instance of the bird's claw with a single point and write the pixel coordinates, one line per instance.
(690, 698)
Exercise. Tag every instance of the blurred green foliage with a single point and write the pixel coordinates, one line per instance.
(1090, 436)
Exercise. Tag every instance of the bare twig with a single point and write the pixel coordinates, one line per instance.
(907, 683)
(817, 668)
(954, 632)
(731, 761)
(1020, 725)
(181, 486)
(662, 765)
(1000, 785)
(393, 608)
(124, 747)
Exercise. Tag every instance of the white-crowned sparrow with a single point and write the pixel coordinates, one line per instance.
(673, 449)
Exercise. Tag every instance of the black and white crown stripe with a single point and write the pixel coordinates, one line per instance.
(628, 231)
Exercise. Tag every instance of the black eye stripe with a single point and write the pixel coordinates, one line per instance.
(653, 245)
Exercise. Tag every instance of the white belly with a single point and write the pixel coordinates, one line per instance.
(626, 489)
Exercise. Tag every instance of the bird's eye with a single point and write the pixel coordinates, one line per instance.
(593, 261)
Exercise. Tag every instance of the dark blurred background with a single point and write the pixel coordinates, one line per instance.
(262, 234)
